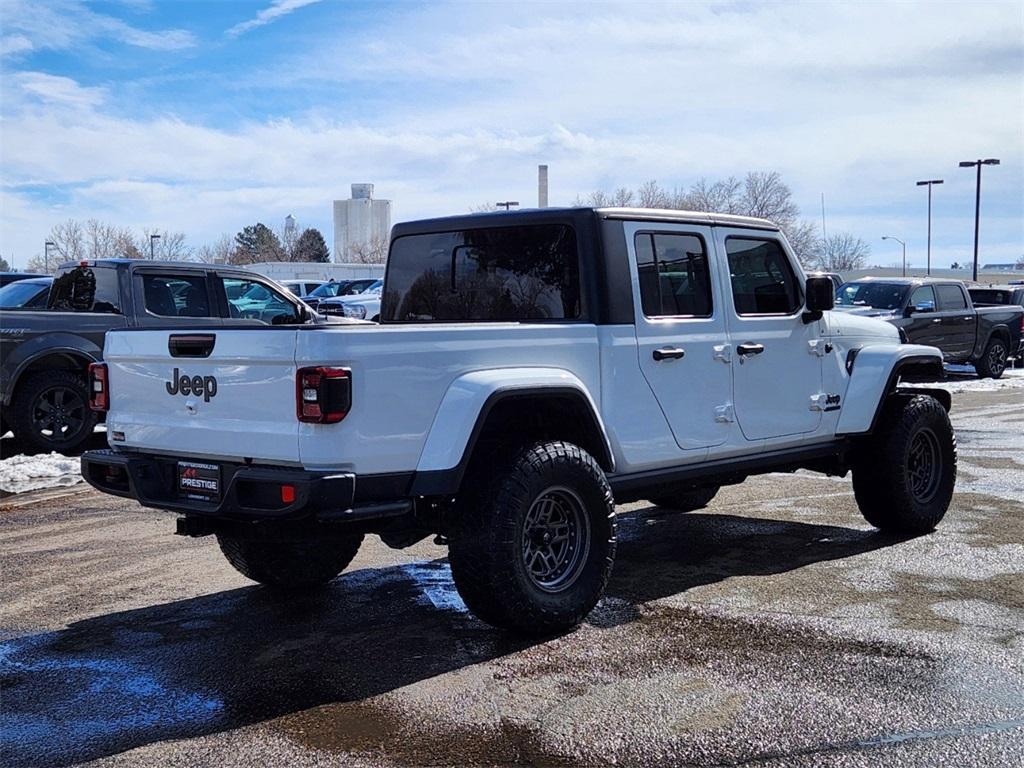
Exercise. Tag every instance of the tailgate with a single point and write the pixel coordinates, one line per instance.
(236, 402)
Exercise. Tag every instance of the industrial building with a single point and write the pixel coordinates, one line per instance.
(361, 222)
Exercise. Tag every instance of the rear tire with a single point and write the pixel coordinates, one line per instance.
(904, 475)
(532, 545)
(50, 412)
(993, 362)
(290, 564)
(687, 501)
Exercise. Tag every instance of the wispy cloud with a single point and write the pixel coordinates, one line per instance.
(53, 89)
(62, 25)
(275, 10)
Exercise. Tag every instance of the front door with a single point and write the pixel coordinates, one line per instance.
(777, 375)
(680, 329)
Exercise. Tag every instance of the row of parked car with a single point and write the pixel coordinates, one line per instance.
(53, 328)
(55, 325)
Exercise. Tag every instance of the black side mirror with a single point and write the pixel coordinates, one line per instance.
(820, 292)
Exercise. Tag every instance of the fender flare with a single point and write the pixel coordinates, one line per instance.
(33, 350)
(876, 370)
(465, 408)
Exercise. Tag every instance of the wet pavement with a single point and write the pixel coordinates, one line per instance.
(774, 628)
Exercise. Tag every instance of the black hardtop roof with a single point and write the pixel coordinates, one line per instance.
(579, 216)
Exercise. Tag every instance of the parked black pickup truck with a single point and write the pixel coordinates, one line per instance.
(44, 353)
(940, 313)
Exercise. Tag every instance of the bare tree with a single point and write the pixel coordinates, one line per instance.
(721, 196)
(650, 195)
(170, 246)
(1020, 263)
(373, 252)
(38, 265)
(217, 253)
(484, 207)
(843, 252)
(69, 243)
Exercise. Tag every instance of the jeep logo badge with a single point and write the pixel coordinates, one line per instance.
(192, 385)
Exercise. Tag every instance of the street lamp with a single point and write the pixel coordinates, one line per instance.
(152, 239)
(507, 205)
(46, 254)
(888, 237)
(977, 203)
(929, 185)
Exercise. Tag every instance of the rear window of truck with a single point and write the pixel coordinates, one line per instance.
(495, 274)
(86, 289)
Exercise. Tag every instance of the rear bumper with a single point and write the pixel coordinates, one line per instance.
(247, 492)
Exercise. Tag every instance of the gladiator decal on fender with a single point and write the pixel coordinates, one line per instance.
(182, 383)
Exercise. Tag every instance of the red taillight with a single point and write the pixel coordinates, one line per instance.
(287, 494)
(99, 387)
(322, 395)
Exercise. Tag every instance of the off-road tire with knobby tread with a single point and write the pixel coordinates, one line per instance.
(35, 386)
(686, 501)
(893, 492)
(290, 564)
(488, 537)
(992, 364)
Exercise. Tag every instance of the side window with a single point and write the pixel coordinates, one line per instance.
(763, 282)
(86, 289)
(951, 298)
(492, 274)
(252, 300)
(923, 298)
(176, 295)
(674, 276)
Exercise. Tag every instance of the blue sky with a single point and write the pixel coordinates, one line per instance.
(206, 116)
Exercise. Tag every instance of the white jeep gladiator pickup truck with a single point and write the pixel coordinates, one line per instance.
(530, 370)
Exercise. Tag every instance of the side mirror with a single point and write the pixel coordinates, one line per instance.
(820, 293)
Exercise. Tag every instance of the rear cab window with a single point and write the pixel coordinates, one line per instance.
(495, 274)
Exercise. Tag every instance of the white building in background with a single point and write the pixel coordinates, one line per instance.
(361, 221)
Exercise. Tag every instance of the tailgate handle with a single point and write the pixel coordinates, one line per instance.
(191, 344)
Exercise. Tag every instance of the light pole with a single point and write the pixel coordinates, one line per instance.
(929, 185)
(507, 205)
(889, 237)
(46, 254)
(152, 239)
(977, 203)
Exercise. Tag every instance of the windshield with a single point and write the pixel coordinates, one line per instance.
(19, 294)
(874, 295)
(327, 290)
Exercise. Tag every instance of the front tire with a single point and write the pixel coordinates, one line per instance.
(993, 362)
(50, 412)
(687, 501)
(904, 475)
(532, 546)
(290, 564)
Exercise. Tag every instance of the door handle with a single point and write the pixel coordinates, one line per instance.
(750, 349)
(669, 353)
(937, 320)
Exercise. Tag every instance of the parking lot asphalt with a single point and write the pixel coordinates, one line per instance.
(773, 628)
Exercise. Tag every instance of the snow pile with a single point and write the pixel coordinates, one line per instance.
(1012, 379)
(28, 473)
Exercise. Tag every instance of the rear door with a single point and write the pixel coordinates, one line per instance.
(226, 393)
(959, 321)
(680, 329)
(778, 364)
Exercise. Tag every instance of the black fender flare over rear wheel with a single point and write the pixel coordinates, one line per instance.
(904, 473)
(532, 541)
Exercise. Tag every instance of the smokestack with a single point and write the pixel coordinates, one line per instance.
(542, 186)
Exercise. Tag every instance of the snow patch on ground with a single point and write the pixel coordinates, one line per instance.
(1012, 379)
(28, 473)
